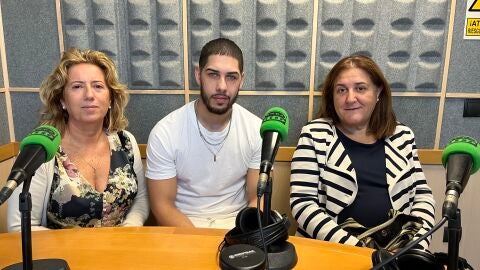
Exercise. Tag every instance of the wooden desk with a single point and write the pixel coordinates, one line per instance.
(162, 248)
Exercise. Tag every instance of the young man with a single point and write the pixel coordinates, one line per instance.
(203, 159)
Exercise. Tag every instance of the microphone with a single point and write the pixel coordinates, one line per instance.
(274, 128)
(461, 158)
(37, 148)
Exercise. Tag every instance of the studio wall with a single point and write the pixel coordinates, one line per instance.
(289, 46)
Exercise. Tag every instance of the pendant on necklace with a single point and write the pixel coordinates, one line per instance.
(214, 158)
(94, 172)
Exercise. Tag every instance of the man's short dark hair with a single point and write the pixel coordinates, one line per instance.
(221, 46)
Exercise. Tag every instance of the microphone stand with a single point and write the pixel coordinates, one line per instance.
(26, 221)
(454, 230)
(454, 235)
(280, 255)
(267, 202)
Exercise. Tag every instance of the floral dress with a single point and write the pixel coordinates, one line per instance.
(74, 202)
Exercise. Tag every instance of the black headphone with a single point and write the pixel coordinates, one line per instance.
(413, 259)
(242, 246)
(246, 229)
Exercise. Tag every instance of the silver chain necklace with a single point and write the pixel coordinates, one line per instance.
(75, 155)
(206, 142)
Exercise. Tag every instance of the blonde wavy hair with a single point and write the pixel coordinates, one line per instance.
(51, 90)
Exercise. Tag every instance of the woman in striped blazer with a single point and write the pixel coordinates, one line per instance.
(355, 160)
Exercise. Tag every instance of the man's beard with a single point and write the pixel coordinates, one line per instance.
(214, 110)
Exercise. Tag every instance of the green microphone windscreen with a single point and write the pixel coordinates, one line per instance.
(463, 145)
(275, 119)
(46, 136)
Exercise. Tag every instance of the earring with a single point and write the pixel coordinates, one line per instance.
(378, 99)
(63, 107)
(109, 106)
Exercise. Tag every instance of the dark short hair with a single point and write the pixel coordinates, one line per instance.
(383, 121)
(221, 46)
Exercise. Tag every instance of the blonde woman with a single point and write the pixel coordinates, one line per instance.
(96, 178)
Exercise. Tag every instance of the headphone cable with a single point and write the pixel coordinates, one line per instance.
(259, 219)
(410, 246)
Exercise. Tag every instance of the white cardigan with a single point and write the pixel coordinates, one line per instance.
(40, 191)
(323, 182)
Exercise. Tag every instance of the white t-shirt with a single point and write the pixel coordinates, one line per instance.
(205, 188)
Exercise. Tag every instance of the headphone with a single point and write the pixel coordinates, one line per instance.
(246, 229)
(412, 259)
(242, 246)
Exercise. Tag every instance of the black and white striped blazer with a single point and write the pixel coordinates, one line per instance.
(323, 182)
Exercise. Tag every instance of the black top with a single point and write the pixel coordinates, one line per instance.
(372, 203)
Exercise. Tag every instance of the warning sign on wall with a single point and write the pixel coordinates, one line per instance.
(472, 20)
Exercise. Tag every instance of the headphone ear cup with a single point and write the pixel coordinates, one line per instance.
(275, 217)
(246, 220)
(381, 255)
(247, 231)
(419, 259)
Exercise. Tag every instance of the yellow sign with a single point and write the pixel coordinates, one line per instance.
(472, 20)
(475, 6)
(473, 27)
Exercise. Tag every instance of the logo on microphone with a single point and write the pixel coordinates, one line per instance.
(275, 116)
(45, 132)
(464, 139)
